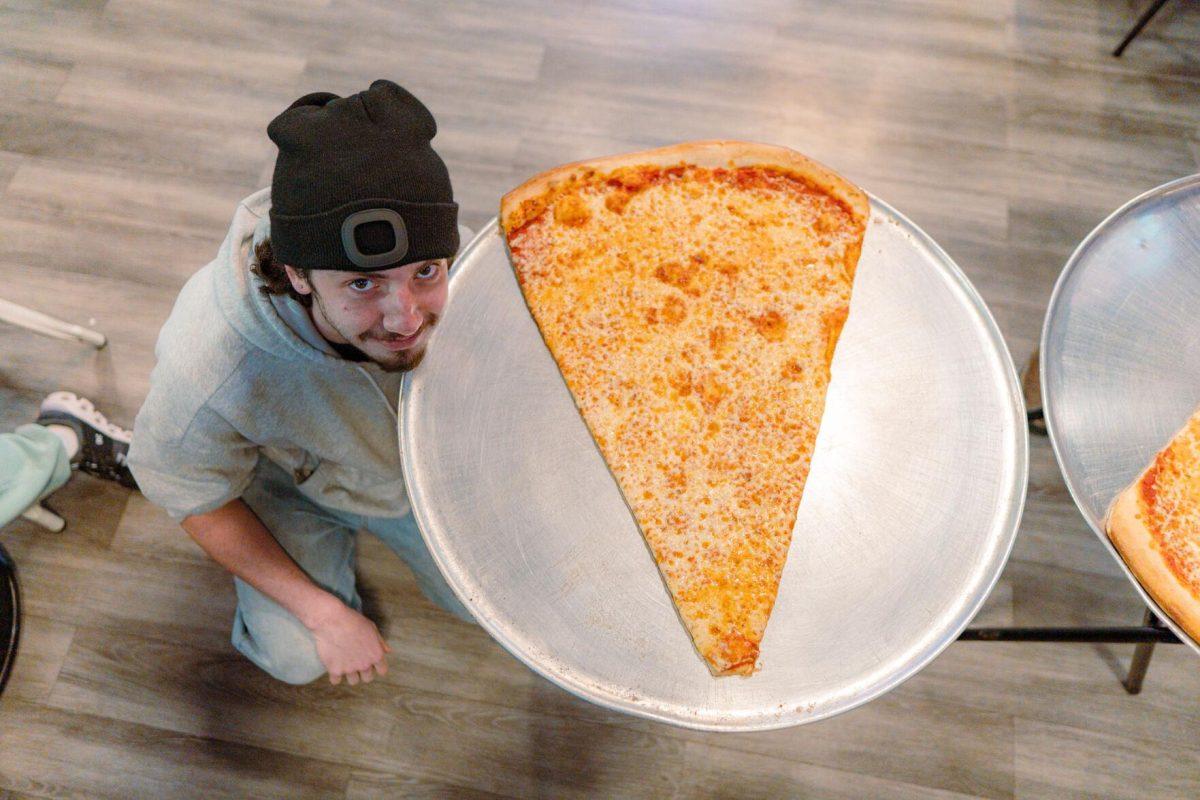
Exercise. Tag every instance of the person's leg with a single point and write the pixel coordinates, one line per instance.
(322, 545)
(404, 538)
(33, 463)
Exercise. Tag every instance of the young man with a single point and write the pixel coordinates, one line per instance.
(270, 426)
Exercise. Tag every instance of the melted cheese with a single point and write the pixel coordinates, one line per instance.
(693, 314)
(1170, 499)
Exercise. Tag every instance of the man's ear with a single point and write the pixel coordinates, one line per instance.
(298, 281)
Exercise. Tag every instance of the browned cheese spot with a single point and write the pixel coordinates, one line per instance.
(727, 268)
(674, 311)
(678, 275)
(682, 383)
(827, 223)
(676, 479)
(617, 200)
(771, 326)
(712, 392)
(633, 178)
(718, 340)
(571, 211)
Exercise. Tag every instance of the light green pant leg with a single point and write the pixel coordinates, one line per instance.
(322, 545)
(33, 463)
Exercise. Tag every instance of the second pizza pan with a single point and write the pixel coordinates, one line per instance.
(1120, 357)
(910, 511)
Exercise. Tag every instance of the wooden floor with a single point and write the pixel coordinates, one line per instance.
(129, 129)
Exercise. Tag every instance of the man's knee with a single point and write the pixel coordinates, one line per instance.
(296, 669)
(279, 646)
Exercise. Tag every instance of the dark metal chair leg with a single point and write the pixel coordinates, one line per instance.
(1031, 390)
(1141, 657)
(10, 616)
(1112, 635)
(1151, 632)
(1141, 23)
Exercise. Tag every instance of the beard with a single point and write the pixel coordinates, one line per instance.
(400, 361)
(404, 360)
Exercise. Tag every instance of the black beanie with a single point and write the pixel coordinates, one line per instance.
(357, 185)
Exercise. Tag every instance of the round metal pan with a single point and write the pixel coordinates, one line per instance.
(909, 513)
(1120, 353)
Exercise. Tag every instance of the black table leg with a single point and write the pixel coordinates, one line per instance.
(1031, 390)
(1150, 633)
(1141, 657)
(1141, 23)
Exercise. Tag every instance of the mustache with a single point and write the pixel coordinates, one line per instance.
(387, 336)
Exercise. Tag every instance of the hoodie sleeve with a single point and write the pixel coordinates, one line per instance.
(193, 472)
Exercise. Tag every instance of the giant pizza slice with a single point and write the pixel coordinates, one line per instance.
(1155, 526)
(692, 297)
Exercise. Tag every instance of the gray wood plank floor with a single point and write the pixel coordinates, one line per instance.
(129, 129)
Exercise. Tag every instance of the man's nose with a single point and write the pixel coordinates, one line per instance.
(400, 313)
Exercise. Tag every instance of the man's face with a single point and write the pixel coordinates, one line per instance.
(387, 315)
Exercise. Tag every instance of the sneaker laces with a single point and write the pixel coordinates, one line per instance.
(89, 413)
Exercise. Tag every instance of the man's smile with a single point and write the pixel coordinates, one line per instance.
(402, 343)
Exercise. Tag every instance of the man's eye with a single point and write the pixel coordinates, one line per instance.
(429, 270)
(362, 284)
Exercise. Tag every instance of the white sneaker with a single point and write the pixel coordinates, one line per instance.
(103, 447)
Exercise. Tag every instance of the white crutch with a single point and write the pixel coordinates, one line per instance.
(47, 325)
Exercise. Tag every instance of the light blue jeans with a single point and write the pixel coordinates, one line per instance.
(322, 542)
(33, 463)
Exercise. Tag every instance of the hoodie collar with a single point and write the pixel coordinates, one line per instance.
(298, 318)
(274, 323)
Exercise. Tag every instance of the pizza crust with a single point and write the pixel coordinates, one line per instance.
(1133, 539)
(516, 207)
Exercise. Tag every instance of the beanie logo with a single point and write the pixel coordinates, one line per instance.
(368, 261)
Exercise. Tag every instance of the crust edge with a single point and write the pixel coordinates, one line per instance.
(711, 153)
(1127, 530)
(744, 669)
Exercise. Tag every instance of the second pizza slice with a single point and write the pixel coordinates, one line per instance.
(692, 297)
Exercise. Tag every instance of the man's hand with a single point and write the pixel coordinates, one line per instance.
(349, 645)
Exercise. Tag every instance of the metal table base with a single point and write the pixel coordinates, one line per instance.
(10, 616)
(1149, 633)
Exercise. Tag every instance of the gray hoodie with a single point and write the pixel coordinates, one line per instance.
(241, 375)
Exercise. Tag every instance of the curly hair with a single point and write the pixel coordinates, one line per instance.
(273, 276)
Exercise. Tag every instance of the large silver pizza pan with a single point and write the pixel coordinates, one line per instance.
(1120, 353)
(910, 510)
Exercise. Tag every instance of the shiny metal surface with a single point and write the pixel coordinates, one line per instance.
(1120, 353)
(909, 514)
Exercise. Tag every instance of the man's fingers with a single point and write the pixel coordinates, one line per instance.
(367, 675)
(352, 678)
(335, 678)
(387, 647)
(381, 667)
